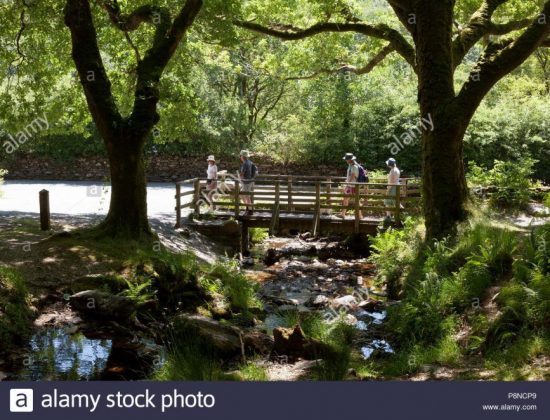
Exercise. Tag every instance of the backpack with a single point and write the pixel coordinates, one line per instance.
(363, 175)
(253, 170)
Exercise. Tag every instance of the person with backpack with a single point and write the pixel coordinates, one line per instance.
(247, 174)
(355, 173)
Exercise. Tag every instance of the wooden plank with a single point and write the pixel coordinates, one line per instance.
(178, 206)
(237, 198)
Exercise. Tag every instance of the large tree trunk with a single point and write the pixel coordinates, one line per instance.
(125, 137)
(444, 184)
(127, 215)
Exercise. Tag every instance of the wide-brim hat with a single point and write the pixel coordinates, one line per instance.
(244, 153)
(349, 156)
(211, 158)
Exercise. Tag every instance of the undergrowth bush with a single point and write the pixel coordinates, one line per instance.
(445, 284)
(511, 182)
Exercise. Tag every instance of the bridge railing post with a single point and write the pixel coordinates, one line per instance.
(317, 214)
(328, 196)
(178, 205)
(274, 225)
(357, 207)
(289, 201)
(197, 196)
(237, 199)
(398, 205)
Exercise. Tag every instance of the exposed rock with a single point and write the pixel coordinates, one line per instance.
(320, 300)
(96, 304)
(97, 281)
(371, 305)
(348, 301)
(226, 339)
(291, 343)
(256, 342)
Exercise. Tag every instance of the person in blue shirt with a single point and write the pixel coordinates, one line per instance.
(247, 179)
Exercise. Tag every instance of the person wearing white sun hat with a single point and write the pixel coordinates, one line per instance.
(211, 173)
(393, 180)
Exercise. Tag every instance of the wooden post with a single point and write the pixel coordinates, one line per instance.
(245, 240)
(44, 199)
(329, 198)
(317, 214)
(237, 198)
(398, 205)
(290, 208)
(196, 196)
(274, 225)
(178, 205)
(357, 204)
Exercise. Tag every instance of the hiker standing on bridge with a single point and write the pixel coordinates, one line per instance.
(352, 176)
(247, 173)
(211, 174)
(393, 180)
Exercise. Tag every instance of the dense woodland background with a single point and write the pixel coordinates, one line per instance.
(230, 89)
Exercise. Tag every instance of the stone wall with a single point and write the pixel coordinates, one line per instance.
(160, 168)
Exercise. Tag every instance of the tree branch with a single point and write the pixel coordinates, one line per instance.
(481, 24)
(501, 58)
(377, 59)
(90, 67)
(156, 59)
(154, 15)
(381, 31)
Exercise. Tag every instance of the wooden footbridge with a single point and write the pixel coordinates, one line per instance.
(303, 203)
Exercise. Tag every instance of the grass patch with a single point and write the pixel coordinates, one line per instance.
(189, 358)
(252, 372)
(15, 312)
(227, 280)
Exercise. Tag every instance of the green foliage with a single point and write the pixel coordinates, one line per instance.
(450, 276)
(510, 180)
(15, 312)
(395, 251)
(227, 280)
(252, 372)
(189, 357)
(140, 290)
(335, 353)
(3, 172)
(258, 235)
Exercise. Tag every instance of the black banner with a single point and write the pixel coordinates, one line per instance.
(275, 401)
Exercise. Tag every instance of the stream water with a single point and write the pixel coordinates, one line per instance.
(60, 353)
(298, 283)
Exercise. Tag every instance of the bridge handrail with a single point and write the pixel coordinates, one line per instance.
(299, 194)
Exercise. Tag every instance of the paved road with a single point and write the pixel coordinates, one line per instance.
(81, 198)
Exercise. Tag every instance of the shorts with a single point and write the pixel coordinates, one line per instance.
(247, 186)
(211, 184)
(350, 190)
(392, 193)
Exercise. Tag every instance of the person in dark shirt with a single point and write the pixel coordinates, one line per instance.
(247, 179)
